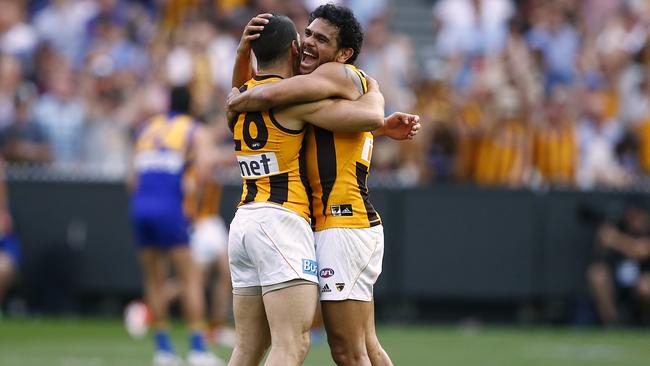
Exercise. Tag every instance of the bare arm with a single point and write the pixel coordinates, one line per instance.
(330, 80)
(243, 69)
(631, 247)
(203, 154)
(342, 115)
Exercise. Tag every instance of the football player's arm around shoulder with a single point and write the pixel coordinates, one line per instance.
(330, 80)
(342, 115)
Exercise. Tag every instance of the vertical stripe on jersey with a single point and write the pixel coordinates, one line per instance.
(362, 176)
(302, 168)
(251, 190)
(279, 188)
(326, 157)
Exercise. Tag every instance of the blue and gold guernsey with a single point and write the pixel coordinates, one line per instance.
(338, 169)
(270, 158)
(162, 154)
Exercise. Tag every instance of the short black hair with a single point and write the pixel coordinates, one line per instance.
(180, 99)
(350, 33)
(274, 40)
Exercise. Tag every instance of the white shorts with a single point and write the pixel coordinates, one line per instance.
(209, 240)
(349, 261)
(269, 244)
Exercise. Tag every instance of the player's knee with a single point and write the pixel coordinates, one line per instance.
(373, 347)
(257, 346)
(346, 351)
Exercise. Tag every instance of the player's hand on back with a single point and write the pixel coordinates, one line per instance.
(373, 85)
(234, 92)
(402, 126)
(252, 31)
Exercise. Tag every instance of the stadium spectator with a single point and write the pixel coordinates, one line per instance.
(556, 39)
(17, 36)
(555, 151)
(10, 79)
(467, 27)
(24, 140)
(106, 133)
(619, 277)
(62, 24)
(598, 137)
(61, 113)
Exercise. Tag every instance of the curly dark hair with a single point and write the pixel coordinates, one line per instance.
(350, 33)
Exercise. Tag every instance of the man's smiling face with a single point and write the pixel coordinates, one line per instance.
(319, 45)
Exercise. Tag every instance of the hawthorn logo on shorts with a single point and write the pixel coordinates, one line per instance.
(326, 288)
(340, 286)
(326, 272)
(341, 210)
(309, 267)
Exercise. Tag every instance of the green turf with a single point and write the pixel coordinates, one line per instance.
(90, 342)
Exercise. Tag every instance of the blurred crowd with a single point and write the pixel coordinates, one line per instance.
(537, 93)
(533, 93)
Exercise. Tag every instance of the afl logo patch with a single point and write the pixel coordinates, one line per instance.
(326, 272)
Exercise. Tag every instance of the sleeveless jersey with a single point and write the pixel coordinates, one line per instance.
(270, 158)
(338, 168)
(161, 158)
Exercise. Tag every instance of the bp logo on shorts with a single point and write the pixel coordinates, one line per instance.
(309, 267)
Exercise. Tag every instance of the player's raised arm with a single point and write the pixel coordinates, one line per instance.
(243, 69)
(329, 80)
(342, 115)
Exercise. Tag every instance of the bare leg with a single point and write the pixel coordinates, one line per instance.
(191, 286)
(252, 329)
(6, 274)
(221, 292)
(643, 292)
(154, 266)
(345, 323)
(602, 289)
(377, 354)
(290, 312)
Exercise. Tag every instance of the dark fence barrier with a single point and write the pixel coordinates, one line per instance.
(449, 242)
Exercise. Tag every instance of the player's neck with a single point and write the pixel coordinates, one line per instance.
(282, 70)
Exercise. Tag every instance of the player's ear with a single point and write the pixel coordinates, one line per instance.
(344, 54)
(295, 48)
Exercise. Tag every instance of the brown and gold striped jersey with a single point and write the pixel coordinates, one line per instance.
(269, 157)
(202, 200)
(337, 170)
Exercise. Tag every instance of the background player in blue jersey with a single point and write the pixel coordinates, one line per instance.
(165, 147)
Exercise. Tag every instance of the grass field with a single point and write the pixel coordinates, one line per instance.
(91, 342)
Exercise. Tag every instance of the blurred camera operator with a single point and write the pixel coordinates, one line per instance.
(619, 278)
